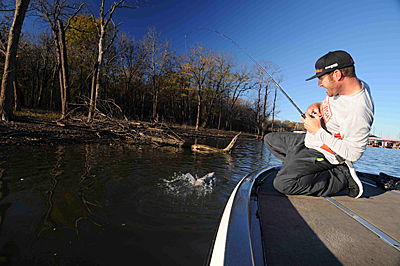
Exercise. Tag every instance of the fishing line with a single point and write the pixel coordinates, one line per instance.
(255, 61)
(338, 157)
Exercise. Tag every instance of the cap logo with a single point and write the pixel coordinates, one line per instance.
(318, 70)
(332, 66)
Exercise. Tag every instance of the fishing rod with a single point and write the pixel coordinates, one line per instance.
(255, 61)
(338, 157)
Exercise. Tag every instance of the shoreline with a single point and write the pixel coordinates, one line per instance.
(37, 127)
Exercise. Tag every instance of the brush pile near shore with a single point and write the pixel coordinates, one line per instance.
(35, 131)
(35, 127)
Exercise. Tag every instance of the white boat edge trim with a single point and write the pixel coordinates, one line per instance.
(218, 253)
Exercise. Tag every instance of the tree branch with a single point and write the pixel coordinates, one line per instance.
(66, 26)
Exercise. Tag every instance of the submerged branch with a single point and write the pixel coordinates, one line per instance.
(207, 149)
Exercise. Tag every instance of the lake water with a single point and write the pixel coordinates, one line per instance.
(114, 204)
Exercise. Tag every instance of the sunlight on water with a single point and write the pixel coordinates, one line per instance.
(376, 160)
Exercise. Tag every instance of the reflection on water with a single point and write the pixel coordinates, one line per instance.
(105, 205)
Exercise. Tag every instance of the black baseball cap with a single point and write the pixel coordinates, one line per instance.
(332, 61)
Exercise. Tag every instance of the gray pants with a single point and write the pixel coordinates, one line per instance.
(304, 171)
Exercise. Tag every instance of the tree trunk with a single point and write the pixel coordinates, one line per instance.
(65, 90)
(264, 115)
(97, 73)
(53, 90)
(17, 95)
(92, 105)
(57, 44)
(220, 116)
(98, 79)
(7, 85)
(198, 110)
(155, 100)
(273, 111)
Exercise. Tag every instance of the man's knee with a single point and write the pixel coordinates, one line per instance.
(266, 138)
(269, 138)
(280, 186)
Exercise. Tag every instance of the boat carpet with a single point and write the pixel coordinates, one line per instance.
(305, 230)
(379, 207)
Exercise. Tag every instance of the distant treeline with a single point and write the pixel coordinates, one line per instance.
(79, 59)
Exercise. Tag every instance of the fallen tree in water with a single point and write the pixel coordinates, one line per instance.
(208, 149)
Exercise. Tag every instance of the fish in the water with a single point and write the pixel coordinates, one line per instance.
(202, 180)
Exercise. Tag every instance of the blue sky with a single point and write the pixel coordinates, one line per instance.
(293, 35)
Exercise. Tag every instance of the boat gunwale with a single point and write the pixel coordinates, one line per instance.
(236, 225)
(239, 246)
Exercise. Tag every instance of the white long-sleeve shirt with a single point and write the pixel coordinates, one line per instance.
(346, 125)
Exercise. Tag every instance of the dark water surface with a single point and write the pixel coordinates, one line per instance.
(106, 205)
(118, 205)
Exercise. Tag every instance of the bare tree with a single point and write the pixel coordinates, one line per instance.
(240, 85)
(102, 24)
(198, 65)
(219, 81)
(41, 64)
(6, 18)
(55, 12)
(263, 84)
(158, 58)
(273, 109)
(63, 68)
(7, 85)
(132, 65)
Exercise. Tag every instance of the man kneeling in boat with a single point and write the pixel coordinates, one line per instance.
(319, 163)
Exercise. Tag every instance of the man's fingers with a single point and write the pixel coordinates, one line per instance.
(309, 116)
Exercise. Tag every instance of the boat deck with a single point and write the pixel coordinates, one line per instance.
(304, 230)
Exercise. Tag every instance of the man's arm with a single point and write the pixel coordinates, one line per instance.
(354, 138)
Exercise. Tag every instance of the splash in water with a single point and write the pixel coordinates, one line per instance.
(186, 185)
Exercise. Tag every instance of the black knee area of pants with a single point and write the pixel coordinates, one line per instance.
(278, 186)
(267, 138)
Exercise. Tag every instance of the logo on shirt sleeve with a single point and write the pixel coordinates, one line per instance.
(326, 110)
